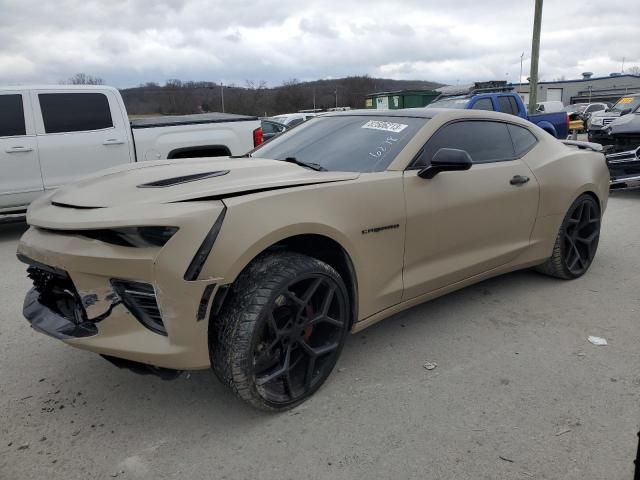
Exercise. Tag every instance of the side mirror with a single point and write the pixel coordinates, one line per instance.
(446, 160)
(626, 111)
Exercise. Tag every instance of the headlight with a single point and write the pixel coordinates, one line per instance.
(140, 237)
(597, 120)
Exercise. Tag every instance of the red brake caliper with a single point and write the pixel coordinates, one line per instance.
(309, 328)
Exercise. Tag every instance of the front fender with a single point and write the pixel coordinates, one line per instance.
(339, 211)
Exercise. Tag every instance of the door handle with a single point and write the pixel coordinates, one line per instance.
(519, 180)
(18, 149)
(113, 141)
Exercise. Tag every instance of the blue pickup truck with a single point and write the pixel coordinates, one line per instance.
(557, 124)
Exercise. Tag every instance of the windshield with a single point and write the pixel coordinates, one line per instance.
(450, 103)
(347, 143)
(626, 102)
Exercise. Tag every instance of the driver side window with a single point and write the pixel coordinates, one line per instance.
(485, 141)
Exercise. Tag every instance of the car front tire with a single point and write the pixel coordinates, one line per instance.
(281, 330)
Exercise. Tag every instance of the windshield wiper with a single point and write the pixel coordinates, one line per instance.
(313, 166)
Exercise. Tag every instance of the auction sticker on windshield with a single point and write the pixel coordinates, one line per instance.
(385, 126)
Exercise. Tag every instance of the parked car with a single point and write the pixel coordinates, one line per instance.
(53, 135)
(271, 128)
(579, 113)
(600, 120)
(624, 152)
(293, 119)
(550, 106)
(591, 108)
(259, 267)
(503, 100)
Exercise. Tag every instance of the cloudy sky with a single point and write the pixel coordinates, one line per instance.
(135, 41)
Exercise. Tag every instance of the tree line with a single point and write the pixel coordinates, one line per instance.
(257, 98)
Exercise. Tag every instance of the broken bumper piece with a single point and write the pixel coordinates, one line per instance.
(46, 321)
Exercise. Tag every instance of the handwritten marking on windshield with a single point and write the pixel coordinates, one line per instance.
(381, 150)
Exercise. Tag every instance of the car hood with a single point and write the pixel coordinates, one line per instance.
(626, 124)
(602, 113)
(188, 179)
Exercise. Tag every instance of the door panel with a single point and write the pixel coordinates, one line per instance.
(461, 224)
(78, 133)
(20, 178)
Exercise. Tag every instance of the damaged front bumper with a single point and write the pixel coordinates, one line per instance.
(624, 168)
(118, 301)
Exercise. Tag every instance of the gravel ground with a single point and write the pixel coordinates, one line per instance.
(518, 392)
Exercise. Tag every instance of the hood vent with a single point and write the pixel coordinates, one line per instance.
(170, 182)
(77, 207)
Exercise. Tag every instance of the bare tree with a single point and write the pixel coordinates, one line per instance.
(635, 70)
(83, 79)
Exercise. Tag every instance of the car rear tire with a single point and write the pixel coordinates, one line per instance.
(577, 241)
(281, 330)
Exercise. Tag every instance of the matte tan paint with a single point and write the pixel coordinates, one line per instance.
(453, 230)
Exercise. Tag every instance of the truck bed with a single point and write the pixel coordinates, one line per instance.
(195, 119)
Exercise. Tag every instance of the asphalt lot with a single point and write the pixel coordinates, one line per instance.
(518, 391)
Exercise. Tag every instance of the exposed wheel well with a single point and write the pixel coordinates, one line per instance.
(200, 151)
(328, 251)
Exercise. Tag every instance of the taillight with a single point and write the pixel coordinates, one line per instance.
(258, 137)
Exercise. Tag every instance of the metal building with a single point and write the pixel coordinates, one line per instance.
(587, 89)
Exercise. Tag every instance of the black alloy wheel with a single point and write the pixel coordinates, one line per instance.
(577, 241)
(300, 341)
(581, 236)
(281, 331)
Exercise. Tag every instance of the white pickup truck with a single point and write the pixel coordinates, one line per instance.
(52, 135)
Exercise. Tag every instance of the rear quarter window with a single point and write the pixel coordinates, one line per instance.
(75, 112)
(523, 139)
(11, 116)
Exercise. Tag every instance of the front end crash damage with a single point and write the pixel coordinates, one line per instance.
(120, 301)
(624, 168)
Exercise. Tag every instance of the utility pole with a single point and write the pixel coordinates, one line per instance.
(336, 97)
(535, 54)
(222, 95)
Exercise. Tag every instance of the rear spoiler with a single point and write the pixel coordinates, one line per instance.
(594, 147)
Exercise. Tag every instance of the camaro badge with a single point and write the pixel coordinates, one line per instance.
(380, 229)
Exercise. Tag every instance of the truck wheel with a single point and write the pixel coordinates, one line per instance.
(281, 330)
(577, 240)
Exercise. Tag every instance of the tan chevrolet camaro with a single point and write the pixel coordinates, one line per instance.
(258, 266)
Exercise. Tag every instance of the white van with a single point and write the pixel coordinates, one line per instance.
(549, 107)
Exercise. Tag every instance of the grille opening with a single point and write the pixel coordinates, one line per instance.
(140, 300)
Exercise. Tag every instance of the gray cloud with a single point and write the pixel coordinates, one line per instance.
(130, 42)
